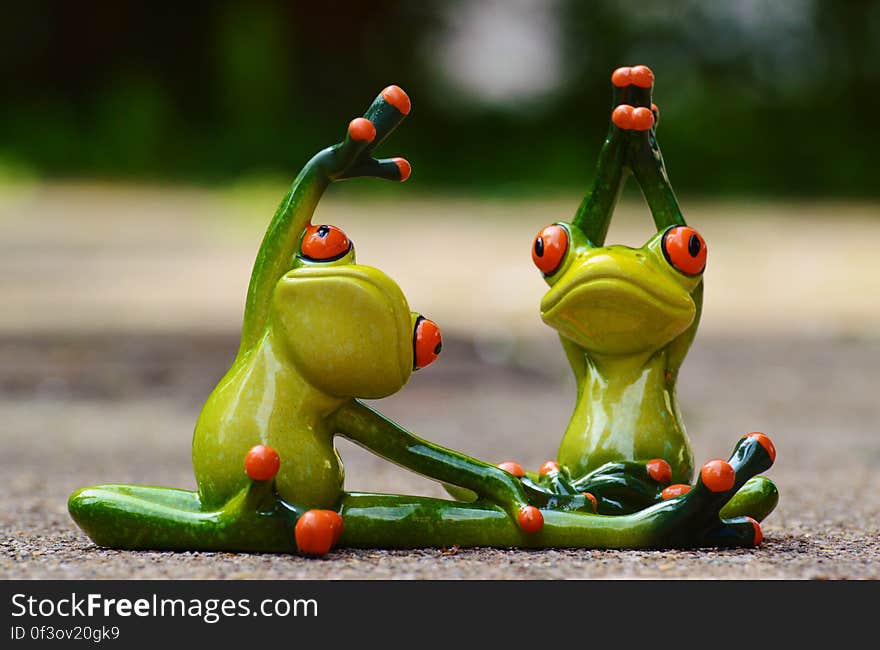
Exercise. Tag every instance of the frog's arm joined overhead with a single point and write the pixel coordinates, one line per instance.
(626, 318)
(319, 332)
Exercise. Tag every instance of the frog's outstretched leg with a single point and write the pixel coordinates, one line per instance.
(140, 517)
(349, 159)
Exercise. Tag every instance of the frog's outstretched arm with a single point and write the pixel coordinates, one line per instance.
(350, 158)
(362, 425)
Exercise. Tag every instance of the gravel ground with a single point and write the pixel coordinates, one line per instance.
(121, 409)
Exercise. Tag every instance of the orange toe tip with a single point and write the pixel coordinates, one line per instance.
(396, 96)
(673, 491)
(512, 467)
(759, 535)
(622, 116)
(621, 76)
(317, 531)
(659, 470)
(549, 466)
(717, 475)
(404, 167)
(594, 500)
(641, 76)
(530, 519)
(361, 129)
(642, 118)
(765, 442)
(262, 463)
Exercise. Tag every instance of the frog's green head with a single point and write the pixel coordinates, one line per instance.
(617, 300)
(345, 327)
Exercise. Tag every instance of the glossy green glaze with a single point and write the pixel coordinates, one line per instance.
(321, 331)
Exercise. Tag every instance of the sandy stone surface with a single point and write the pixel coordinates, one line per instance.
(121, 308)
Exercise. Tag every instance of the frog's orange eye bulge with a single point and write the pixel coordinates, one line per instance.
(427, 343)
(549, 249)
(659, 470)
(673, 491)
(718, 475)
(325, 243)
(262, 463)
(685, 249)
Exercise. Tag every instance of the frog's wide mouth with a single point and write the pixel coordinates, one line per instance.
(589, 281)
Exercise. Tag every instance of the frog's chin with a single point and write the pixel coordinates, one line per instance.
(613, 315)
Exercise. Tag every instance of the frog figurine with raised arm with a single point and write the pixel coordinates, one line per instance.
(319, 332)
(626, 318)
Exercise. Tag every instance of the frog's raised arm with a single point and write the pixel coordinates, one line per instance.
(630, 147)
(351, 158)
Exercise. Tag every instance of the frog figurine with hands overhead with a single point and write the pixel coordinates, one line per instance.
(320, 332)
(626, 318)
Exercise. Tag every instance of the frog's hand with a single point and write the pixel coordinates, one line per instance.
(364, 426)
(350, 158)
(623, 487)
(636, 116)
(703, 506)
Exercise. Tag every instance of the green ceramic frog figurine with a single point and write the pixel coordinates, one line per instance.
(626, 318)
(319, 332)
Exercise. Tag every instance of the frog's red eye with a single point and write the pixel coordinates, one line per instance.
(427, 342)
(549, 249)
(684, 249)
(325, 243)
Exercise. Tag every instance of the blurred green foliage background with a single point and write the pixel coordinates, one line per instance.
(757, 97)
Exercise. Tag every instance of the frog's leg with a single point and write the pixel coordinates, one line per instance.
(690, 520)
(349, 159)
(140, 517)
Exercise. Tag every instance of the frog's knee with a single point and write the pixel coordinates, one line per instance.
(317, 531)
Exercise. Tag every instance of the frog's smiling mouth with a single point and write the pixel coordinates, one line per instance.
(611, 282)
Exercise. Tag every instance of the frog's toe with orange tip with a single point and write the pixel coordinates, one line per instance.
(717, 475)
(548, 467)
(630, 118)
(637, 75)
(740, 531)
(659, 470)
(396, 96)
(317, 531)
(403, 167)
(764, 441)
(592, 499)
(530, 519)
(672, 491)
(361, 129)
(512, 467)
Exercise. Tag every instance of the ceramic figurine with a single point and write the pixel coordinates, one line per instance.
(321, 331)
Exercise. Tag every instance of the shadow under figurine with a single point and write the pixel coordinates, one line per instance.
(321, 331)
